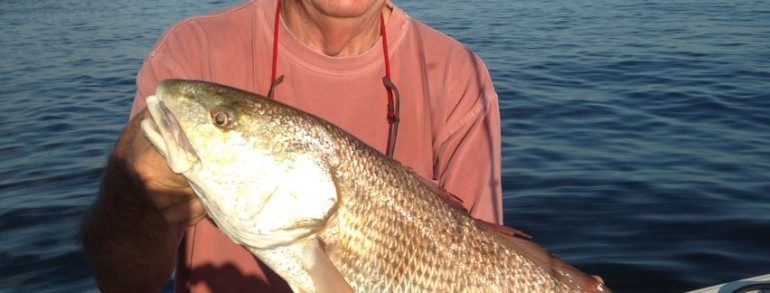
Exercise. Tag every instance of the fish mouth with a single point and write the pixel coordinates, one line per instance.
(164, 131)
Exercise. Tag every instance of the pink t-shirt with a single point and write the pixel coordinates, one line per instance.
(449, 130)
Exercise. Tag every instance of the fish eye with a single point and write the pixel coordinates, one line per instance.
(222, 117)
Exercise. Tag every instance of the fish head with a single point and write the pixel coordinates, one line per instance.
(262, 170)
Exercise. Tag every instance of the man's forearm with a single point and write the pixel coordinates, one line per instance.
(129, 245)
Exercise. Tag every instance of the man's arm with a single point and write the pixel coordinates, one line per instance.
(472, 170)
(469, 152)
(131, 232)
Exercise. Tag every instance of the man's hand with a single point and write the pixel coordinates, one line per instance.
(168, 192)
(130, 234)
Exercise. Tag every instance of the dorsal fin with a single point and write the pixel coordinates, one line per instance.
(562, 271)
(522, 243)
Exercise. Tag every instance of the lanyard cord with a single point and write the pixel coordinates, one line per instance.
(393, 95)
(274, 82)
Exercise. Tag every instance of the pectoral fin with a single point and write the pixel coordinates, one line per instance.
(326, 277)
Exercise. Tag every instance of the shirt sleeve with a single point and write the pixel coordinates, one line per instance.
(468, 156)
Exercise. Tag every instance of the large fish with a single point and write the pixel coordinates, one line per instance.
(329, 213)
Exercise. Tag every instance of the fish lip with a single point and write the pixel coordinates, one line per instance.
(179, 135)
(179, 152)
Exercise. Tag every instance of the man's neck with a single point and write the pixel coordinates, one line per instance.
(334, 32)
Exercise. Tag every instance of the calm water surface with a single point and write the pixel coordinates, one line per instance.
(636, 134)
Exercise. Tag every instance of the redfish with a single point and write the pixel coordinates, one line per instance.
(328, 212)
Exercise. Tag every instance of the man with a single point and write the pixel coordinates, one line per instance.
(328, 58)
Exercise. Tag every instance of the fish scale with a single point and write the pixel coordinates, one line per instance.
(409, 213)
(382, 226)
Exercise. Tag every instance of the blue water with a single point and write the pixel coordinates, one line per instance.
(636, 134)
